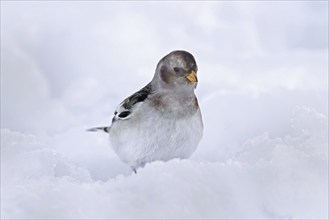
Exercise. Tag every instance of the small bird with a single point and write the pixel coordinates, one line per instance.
(161, 121)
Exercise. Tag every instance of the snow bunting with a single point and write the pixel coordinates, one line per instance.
(161, 121)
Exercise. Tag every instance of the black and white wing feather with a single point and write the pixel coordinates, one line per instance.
(126, 108)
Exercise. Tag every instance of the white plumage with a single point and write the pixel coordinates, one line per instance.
(162, 121)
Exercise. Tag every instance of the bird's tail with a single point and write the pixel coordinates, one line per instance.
(105, 129)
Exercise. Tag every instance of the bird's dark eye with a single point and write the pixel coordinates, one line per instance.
(176, 69)
(124, 114)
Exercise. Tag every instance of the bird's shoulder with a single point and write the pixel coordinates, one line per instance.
(127, 106)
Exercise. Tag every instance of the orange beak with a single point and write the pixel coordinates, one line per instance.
(192, 77)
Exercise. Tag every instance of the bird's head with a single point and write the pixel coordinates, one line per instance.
(178, 69)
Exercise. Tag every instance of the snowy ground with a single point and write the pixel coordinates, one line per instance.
(281, 177)
(263, 90)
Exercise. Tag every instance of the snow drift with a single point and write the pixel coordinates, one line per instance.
(271, 177)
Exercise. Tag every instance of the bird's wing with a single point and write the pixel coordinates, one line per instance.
(126, 108)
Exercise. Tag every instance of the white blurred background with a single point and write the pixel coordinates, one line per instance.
(65, 66)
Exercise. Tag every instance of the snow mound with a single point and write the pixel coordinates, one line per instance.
(25, 157)
(272, 177)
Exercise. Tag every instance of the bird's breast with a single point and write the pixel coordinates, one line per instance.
(154, 135)
(173, 106)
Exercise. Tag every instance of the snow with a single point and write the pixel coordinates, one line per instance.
(263, 92)
(281, 177)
